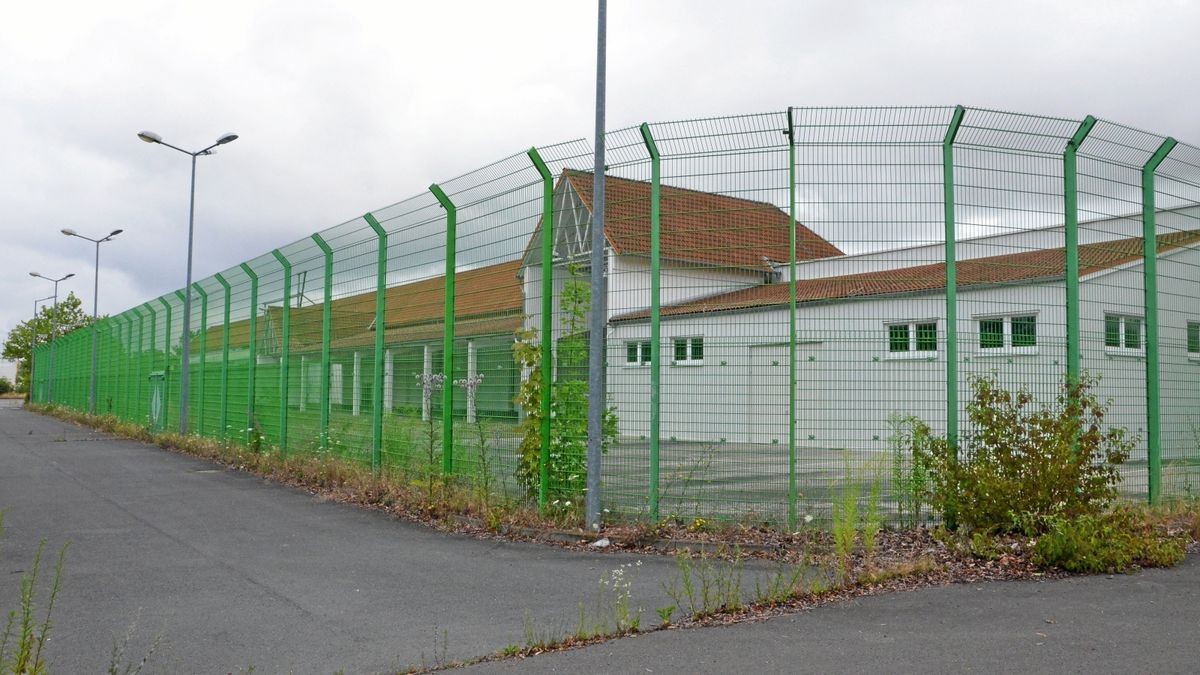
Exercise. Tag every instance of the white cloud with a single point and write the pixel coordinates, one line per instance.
(345, 107)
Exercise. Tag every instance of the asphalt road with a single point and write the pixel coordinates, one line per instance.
(1137, 623)
(231, 571)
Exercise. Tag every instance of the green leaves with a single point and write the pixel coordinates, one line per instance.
(51, 319)
(1023, 462)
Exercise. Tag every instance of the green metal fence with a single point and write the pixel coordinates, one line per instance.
(786, 291)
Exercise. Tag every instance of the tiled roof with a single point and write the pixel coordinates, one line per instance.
(1009, 268)
(486, 292)
(701, 227)
(463, 328)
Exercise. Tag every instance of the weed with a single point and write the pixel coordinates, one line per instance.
(24, 637)
(686, 480)
(872, 521)
(783, 585)
(566, 457)
(707, 585)
(431, 384)
(909, 440)
(116, 663)
(845, 526)
(664, 614)
(1114, 541)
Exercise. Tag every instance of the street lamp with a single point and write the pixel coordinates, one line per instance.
(53, 327)
(33, 342)
(95, 302)
(151, 137)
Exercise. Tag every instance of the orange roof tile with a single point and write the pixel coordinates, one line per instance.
(1009, 268)
(701, 227)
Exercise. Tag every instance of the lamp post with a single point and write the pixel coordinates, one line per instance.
(53, 327)
(95, 303)
(185, 346)
(33, 341)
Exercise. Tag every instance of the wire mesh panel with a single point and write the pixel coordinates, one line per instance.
(792, 296)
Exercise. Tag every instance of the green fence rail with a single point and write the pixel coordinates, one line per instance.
(787, 292)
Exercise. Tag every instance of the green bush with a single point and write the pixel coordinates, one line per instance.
(567, 454)
(1023, 463)
(1109, 542)
(5, 385)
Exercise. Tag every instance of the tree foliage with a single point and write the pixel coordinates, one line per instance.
(62, 318)
(1024, 463)
(567, 466)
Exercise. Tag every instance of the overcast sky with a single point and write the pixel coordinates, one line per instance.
(344, 107)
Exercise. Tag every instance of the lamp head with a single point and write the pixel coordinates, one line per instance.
(68, 276)
(34, 274)
(68, 231)
(114, 233)
(227, 138)
(149, 137)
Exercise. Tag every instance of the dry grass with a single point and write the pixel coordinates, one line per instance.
(447, 503)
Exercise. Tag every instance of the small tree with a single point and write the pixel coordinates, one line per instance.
(569, 404)
(64, 318)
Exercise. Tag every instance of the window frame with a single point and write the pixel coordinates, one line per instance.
(643, 350)
(1006, 346)
(1191, 332)
(690, 342)
(1123, 336)
(913, 329)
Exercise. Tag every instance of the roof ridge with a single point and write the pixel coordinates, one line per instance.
(681, 189)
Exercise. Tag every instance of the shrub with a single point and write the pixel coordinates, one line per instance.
(909, 441)
(567, 466)
(1023, 463)
(1108, 542)
(5, 385)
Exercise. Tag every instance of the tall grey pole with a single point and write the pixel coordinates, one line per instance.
(95, 305)
(53, 331)
(599, 319)
(186, 344)
(95, 352)
(33, 342)
(53, 344)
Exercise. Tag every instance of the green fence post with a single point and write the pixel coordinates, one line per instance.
(285, 348)
(1071, 236)
(167, 365)
(253, 356)
(448, 329)
(326, 334)
(203, 353)
(1150, 289)
(791, 136)
(185, 361)
(223, 417)
(143, 368)
(380, 329)
(951, 289)
(547, 326)
(655, 313)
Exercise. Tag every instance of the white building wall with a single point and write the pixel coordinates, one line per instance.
(848, 382)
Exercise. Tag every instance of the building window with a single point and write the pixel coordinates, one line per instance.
(1017, 333)
(688, 350)
(637, 353)
(1122, 333)
(916, 339)
(1193, 339)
